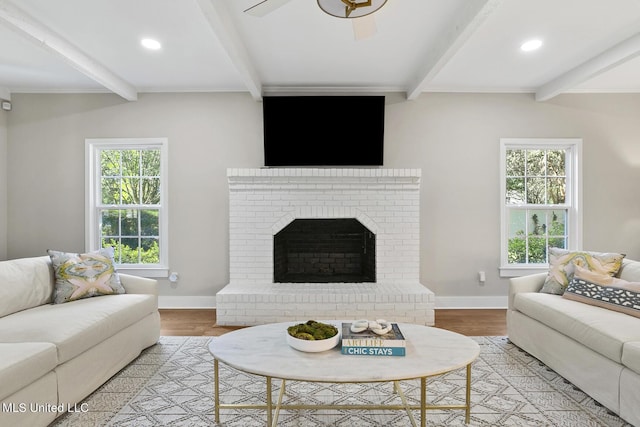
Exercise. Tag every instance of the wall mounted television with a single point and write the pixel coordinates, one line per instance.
(323, 130)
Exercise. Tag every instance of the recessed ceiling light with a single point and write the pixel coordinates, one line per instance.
(530, 45)
(151, 44)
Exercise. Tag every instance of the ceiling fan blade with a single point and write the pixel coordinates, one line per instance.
(364, 27)
(265, 6)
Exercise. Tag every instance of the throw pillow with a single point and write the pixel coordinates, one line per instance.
(592, 276)
(623, 297)
(85, 275)
(562, 264)
(601, 279)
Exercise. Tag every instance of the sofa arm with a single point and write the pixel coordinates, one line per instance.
(138, 285)
(530, 283)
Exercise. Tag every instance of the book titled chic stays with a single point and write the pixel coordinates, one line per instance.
(368, 343)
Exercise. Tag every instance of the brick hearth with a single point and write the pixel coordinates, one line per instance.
(264, 201)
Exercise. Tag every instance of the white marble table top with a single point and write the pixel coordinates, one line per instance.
(263, 350)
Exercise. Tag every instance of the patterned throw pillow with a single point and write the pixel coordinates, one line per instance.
(84, 275)
(562, 264)
(621, 296)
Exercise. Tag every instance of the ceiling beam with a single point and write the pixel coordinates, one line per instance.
(264, 7)
(222, 26)
(473, 14)
(610, 58)
(28, 27)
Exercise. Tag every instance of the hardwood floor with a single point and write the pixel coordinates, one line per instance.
(200, 322)
(191, 322)
(476, 322)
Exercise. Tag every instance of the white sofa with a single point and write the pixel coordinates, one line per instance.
(596, 349)
(54, 355)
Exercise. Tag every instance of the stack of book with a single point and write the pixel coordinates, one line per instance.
(367, 343)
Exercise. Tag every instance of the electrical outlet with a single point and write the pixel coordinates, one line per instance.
(481, 276)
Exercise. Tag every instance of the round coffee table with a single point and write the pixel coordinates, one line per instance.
(263, 350)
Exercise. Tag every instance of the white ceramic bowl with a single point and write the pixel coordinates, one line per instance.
(313, 346)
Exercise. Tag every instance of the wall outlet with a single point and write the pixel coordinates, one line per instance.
(481, 276)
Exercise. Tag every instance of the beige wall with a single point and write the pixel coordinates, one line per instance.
(454, 138)
(207, 133)
(3, 184)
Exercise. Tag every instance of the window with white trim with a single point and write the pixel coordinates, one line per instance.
(127, 202)
(541, 199)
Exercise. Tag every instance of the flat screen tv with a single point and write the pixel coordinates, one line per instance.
(323, 130)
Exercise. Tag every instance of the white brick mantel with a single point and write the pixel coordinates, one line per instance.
(264, 201)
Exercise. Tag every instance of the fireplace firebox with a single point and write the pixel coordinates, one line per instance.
(324, 251)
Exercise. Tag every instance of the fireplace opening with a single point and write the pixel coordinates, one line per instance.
(340, 250)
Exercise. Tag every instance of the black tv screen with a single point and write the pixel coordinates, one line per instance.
(323, 130)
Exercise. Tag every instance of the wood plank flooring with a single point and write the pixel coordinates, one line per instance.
(201, 322)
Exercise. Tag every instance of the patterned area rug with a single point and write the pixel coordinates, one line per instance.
(171, 384)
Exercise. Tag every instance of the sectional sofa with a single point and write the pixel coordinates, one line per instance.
(594, 347)
(55, 355)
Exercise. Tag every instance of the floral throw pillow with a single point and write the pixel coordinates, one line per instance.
(85, 275)
(562, 264)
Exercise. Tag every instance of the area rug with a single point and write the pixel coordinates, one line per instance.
(171, 384)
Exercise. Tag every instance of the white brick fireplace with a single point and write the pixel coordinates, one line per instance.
(264, 201)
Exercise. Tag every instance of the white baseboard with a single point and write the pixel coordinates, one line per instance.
(186, 302)
(472, 302)
(441, 302)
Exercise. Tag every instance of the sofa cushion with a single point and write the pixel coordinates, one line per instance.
(631, 356)
(23, 363)
(610, 293)
(25, 283)
(562, 263)
(84, 275)
(79, 325)
(630, 271)
(604, 331)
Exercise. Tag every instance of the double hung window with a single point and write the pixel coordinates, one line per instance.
(127, 202)
(540, 189)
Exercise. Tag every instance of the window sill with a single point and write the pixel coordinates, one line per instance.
(523, 270)
(152, 272)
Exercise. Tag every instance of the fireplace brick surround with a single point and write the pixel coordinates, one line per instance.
(262, 202)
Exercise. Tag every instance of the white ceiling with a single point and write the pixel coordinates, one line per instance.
(55, 46)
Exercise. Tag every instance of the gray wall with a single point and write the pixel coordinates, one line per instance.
(3, 184)
(453, 138)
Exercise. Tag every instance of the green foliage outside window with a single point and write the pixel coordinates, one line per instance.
(535, 179)
(130, 177)
(532, 247)
(130, 196)
(125, 254)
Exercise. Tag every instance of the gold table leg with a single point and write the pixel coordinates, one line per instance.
(405, 402)
(272, 421)
(269, 402)
(279, 404)
(467, 412)
(423, 402)
(216, 390)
